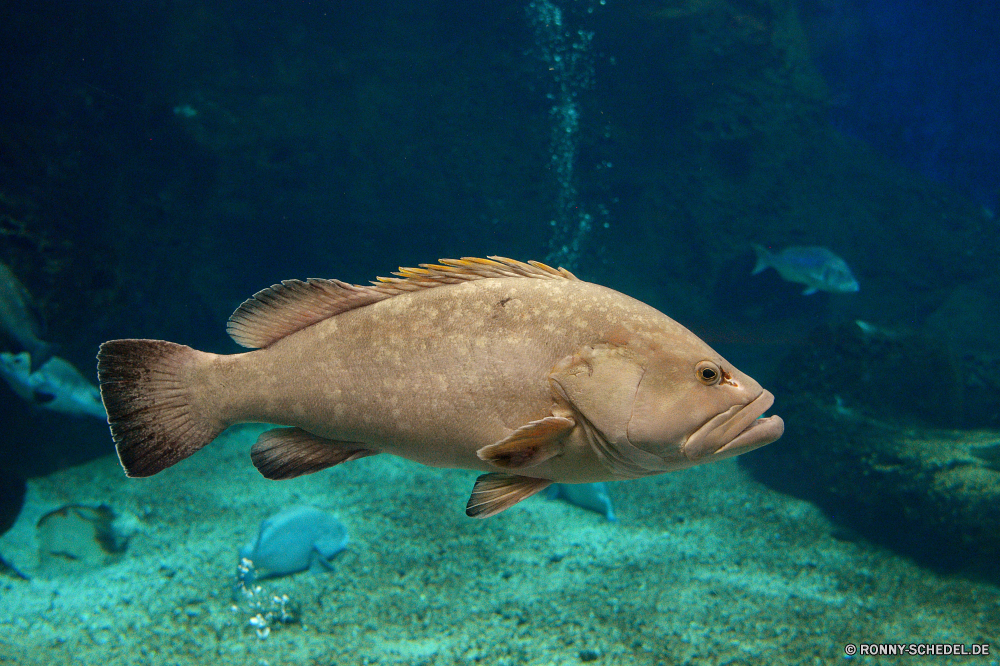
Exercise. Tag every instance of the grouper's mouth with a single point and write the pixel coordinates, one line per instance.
(735, 431)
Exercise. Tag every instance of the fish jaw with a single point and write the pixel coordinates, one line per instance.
(737, 430)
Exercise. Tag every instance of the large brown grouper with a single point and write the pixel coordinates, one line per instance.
(514, 369)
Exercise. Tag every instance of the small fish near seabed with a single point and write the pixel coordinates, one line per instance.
(292, 540)
(19, 323)
(590, 496)
(57, 385)
(518, 370)
(815, 267)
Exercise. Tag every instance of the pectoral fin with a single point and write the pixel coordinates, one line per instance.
(530, 444)
(284, 453)
(496, 492)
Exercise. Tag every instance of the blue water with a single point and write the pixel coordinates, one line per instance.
(919, 81)
(162, 162)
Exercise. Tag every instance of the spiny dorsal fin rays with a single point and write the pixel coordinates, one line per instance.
(475, 268)
(450, 271)
(293, 305)
(496, 266)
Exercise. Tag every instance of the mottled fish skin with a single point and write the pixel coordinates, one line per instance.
(817, 268)
(530, 380)
(18, 322)
(444, 372)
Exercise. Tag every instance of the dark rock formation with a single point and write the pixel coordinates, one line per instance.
(870, 438)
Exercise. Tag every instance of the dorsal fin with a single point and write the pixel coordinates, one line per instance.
(451, 271)
(285, 308)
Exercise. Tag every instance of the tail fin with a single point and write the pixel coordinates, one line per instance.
(763, 258)
(146, 389)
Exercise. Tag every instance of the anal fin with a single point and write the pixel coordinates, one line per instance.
(284, 453)
(496, 492)
(530, 444)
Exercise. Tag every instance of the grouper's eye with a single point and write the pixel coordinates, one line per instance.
(708, 373)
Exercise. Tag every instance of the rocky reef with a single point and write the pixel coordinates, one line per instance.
(883, 435)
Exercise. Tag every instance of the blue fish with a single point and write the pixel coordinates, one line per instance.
(56, 385)
(590, 496)
(293, 540)
(19, 321)
(815, 267)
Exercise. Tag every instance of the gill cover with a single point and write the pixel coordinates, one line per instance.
(599, 382)
(669, 403)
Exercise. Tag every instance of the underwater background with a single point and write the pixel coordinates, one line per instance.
(160, 162)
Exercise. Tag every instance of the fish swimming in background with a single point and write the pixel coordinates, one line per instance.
(293, 540)
(590, 496)
(517, 370)
(815, 267)
(57, 385)
(18, 321)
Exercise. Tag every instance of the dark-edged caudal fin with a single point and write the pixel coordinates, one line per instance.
(146, 391)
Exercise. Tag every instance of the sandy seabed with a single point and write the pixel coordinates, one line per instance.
(704, 566)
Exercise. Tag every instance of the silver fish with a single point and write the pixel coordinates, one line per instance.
(57, 385)
(514, 369)
(18, 321)
(815, 267)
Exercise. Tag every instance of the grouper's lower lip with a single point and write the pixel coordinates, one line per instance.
(736, 431)
(760, 433)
